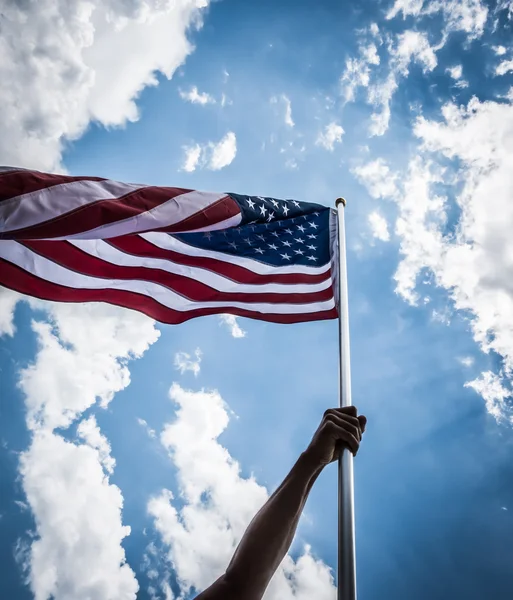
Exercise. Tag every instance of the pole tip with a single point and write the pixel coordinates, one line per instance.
(340, 201)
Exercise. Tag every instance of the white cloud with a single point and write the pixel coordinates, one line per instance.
(151, 432)
(185, 362)
(506, 66)
(89, 431)
(82, 355)
(466, 361)
(456, 72)
(213, 156)
(379, 226)
(81, 358)
(473, 264)
(410, 46)
(231, 321)
(377, 177)
(196, 97)
(202, 535)
(78, 519)
(357, 71)
(288, 108)
(82, 62)
(499, 50)
(331, 135)
(491, 388)
(222, 153)
(192, 158)
(8, 301)
(468, 16)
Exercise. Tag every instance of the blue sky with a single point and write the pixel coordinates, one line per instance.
(429, 261)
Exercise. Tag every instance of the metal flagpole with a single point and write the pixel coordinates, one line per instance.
(346, 533)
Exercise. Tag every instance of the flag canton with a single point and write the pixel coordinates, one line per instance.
(275, 232)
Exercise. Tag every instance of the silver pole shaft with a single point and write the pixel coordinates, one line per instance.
(346, 530)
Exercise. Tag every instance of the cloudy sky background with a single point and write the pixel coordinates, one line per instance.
(133, 455)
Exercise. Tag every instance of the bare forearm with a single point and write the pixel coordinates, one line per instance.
(270, 533)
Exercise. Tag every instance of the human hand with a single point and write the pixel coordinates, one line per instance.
(340, 428)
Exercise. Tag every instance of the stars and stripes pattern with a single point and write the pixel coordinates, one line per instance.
(171, 253)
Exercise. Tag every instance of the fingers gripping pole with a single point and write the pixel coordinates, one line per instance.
(346, 531)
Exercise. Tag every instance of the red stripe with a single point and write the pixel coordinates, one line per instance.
(16, 183)
(74, 259)
(104, 212)
(21, 281)
(138, 246)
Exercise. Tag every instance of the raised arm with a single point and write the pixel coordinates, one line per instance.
(270, 533)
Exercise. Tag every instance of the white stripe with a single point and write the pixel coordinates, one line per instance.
(42, 267)
(107, 253)
(43, 205)
(231, 222)
(171, 212)
(46, 204)
(168, 242)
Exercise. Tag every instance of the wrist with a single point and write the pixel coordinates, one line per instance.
(310, 462)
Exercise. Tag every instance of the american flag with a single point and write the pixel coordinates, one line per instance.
(171, 253)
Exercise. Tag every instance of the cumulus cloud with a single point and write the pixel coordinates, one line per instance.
(196, 97)
(490, 386)
(331, 135)
(192, 158)
(213, 156)
(506, 66)
(357, 70)
(285, 100)
(78, 521)
(185, 362)
(87, 62)
(468, 16)
(8, 301)
(232, 323)
(470, 150)
(466, 361)
(151, 432)
(82, 358)
(219, 503)
(410, 46)
(379, 226)
(378, 178)
(456, 73)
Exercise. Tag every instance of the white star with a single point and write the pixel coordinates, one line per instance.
(289, 231)
(233, 245)
(305, 217)
(248, 241)
(251, 204)
(274, 203)
(207, 235)
(275, 233)
(312, 247)
(270, 217)
(273, 247)
(263, 210)
(299, 251)
(317, 213)
(312, 258)
(261, 237)
(312, 236)
(259, 250)
(295, 203)
(288, 244)
(301, 228)
(285, 209)
(285, 256)
(300, 241)
(260, 198)
(314, 225)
